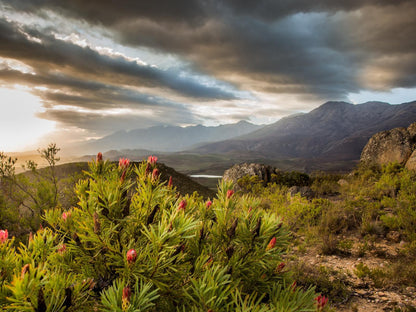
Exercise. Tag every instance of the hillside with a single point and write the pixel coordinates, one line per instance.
(184, 184)
(335, 131)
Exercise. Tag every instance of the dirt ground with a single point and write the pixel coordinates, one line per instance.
(365, 296)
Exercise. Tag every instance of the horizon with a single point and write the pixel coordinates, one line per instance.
(72, 72)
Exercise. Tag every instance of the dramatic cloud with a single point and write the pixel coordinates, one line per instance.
(100, 65)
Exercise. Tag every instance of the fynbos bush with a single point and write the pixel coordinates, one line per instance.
(133, 244)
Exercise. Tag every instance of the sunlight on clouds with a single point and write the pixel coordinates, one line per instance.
(19, 127)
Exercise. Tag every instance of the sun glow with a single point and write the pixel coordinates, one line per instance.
(19, 126)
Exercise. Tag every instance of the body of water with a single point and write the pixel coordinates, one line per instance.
(209, 176)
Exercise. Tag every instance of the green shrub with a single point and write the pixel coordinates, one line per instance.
(133, 244)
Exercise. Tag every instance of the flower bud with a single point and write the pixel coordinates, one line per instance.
(66, 215)
(4, 235)
(152, 160)
(170, 183)
(131, 256)
(230, 193)
(99, 157)
(208, 204)
(155, 174)
(126, 294)
(182, 205)
(271, 244)
(62, 248)
(123, 163)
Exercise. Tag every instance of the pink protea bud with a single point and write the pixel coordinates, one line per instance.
(131, 256)
(99, 157)
(249, 210)
(66, 215)
(4, 235)
(152, 160)
(62, 248)
(208, 204)
(155, 174)
(147, 171)
(321, 301)
(182, 205)
(123, 163)
(230, 193)
(271, 244)
(126, 294)
(170, 183)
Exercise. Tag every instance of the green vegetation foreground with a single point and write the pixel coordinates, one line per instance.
(133, 244)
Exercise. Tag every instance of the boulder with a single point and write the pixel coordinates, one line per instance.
(411, 162)
(237, 172)
(304, 191)
(395, 145)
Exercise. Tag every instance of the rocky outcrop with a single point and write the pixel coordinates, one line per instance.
(395, 145)
(239, 171)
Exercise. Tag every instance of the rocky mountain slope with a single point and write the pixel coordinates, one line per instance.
(333, 131)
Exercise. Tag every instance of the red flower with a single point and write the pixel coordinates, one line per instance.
(321, 301)
(126, 294)
(99, 157)
(66, 215)
(230, 193)
(4, 235)
(155, 174)
(182, 205)
(123, 163)
(208, 204)
(131, 256)
(152, 160)
(271, 244)
(62, 248)
(170, 183)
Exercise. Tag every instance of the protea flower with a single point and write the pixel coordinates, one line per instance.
(170, 183)
(271, 244)
(131, 256)
(230, 193)
(4, 235)
(123, 163)
(152, 160)
(155, 174)
(66, 215)
(99, 157)
(208, 204)
(321, 301)
(62, 248)
(125, 298)
(182, 205)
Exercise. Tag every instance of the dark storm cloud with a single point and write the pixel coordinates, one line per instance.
(312, 50)
(312, 47)
(90, 95)
(37, 50)
(99, 124)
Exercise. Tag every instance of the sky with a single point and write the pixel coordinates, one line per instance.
(73, 70)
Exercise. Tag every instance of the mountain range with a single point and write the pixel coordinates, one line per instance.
(334, 131)
(166, 138)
